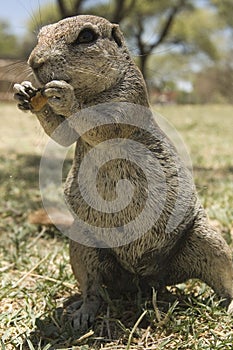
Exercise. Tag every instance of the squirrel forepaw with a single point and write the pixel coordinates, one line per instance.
(61, 97)
(23, 93)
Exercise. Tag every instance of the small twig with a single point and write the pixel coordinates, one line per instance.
(37, 238)
(134, 328)
(83, 337)
(29, 272)
(100, 337)
(146, 336)
(107, 323)
(46, 278)
(167, 317)
(5, 268)
(155, 306)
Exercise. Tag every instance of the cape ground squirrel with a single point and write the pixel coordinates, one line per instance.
(82, 64)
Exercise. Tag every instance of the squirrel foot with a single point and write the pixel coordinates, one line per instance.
(83, 316)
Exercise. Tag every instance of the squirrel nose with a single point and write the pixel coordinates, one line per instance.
(36, 62)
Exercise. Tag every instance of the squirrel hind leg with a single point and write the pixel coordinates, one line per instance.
(206, 256)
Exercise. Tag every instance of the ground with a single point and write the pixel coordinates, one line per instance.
(36, 277)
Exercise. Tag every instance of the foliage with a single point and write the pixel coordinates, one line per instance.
(9, 46)
(215, 83)
(46, 14)
(194, 38)
(225, 10)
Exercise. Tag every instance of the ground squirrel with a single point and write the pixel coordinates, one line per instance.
(83, 61)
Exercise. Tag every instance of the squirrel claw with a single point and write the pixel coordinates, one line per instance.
(25, 89)
(23, 93)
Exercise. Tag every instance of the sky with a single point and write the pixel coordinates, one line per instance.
(17, 12)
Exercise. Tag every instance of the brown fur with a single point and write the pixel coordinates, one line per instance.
(99, 73)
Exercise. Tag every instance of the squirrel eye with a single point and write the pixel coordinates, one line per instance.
(86, 36)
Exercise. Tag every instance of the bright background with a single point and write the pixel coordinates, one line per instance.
(17, 12)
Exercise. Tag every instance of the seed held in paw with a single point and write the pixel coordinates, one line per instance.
(38, 101)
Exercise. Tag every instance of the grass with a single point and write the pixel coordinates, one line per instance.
(36, 277)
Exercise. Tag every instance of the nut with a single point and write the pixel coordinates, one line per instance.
(38, 101)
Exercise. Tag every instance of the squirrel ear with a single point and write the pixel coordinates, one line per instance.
(117, 35)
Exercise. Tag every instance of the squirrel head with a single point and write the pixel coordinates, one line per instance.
(86, 51)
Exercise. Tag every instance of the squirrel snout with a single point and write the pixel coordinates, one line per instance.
(35, 61)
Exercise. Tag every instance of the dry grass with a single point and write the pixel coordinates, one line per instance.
(35, 272)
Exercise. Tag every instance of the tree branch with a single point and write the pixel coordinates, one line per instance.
(77, 7)
(121, 10)
(64, 11)
(167, 25)
(129, 8)
(118, 12)
(145, 49)
(138, 35)
(62, 8)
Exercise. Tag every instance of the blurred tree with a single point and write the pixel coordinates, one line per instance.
(179, 28)
(215, 84)
(9, 47)
(48, 13)
(146, 24)
(225, 10)
(117, 10)
(67, 9)
(160, 18)
(194, 30)
(194, 47)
